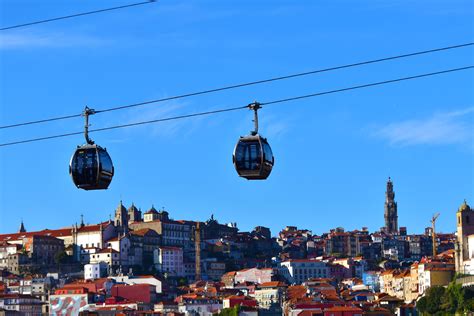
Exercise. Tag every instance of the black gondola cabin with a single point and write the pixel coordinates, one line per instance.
(91, 167)
(253, 158)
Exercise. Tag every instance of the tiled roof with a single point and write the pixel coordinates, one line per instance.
(272, 284)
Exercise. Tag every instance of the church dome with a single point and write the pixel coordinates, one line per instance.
(464, 207)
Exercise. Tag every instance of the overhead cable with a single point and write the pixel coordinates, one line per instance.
(246, 106)
(240, 85)
(74, 15)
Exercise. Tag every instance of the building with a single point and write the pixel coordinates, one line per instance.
(145, 293)
(144, 242)
(464, 251)
(69, 301)
(95, 270)
(108, 256)
(434, 273)
(170, 260)
(172, 233)
(390, 210)
(270, 297)
(134, 215)
(23, 304)
(255, 275)
(145, 279)
(6, 249)
(296, 271)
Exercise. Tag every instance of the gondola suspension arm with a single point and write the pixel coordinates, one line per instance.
(255, 106)
(86, 114)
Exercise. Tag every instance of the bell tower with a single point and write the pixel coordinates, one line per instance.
(390, 210)
(121, 217)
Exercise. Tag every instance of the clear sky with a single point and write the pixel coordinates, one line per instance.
(333, 153)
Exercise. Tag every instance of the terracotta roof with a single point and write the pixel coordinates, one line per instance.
(343, 309)
(45, 232)
(93, 228)
(272, 284)
(143, 232)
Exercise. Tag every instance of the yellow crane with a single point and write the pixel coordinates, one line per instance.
(433, 233)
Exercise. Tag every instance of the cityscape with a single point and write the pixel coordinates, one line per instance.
(149, 263)
(236, 158)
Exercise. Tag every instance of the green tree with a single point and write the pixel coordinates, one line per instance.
(234, 311)
(446, 301)
(453, 299)
(431, 302)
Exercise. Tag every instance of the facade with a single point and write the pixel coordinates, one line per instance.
(95, 270)
(255, 275)
(122, 245)
(170, 260)
(108, 256)
(5, 250)
(147, 279)
(434, 273)
(270, 297)
(42, 250)
(390, 210)
(296, 271)
(146, 241)
(23, 304)
(172, 233)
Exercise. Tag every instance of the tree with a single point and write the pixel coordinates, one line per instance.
(61, 257)
(233, 311)
(431, 302)
(446, 301)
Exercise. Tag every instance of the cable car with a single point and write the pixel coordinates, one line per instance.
(253, 158)
(91, 167)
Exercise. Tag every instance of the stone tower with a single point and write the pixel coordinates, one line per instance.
(390, 214)
(465, 227)
(121, 218)
(134, 215)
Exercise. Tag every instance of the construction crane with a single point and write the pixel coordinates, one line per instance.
(197, 244)
(433, 233)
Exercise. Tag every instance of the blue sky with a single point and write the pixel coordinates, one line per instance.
(333, 153)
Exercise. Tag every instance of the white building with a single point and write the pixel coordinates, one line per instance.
(200, 306)
(122, 246)
(296, 271)
(169, 260)
(140, 280)
(95, 270)
(109, 256)
(5, 250)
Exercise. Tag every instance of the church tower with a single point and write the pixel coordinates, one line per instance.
(121, 218)
(22, 228)
(134, 215)
(390, 214)
(465, 227)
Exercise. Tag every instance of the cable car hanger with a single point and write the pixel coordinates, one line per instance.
(86, 113)
(91, 167)
(255, 106)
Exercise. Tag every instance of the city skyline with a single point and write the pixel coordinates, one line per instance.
(389, 227)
